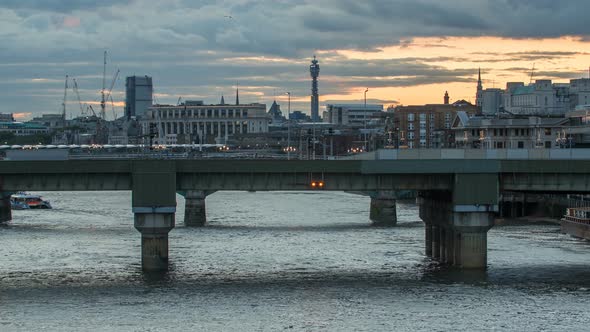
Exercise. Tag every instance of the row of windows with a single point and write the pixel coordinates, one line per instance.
(422, 116)
(512, 132)
(202, 113)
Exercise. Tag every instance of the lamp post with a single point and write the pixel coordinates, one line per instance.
(365, 120)
(289, 126)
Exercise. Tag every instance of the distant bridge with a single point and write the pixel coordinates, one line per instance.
(458, 198)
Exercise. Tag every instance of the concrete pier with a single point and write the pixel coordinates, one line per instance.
(428, 239)
(5, 209)
(154, 206)
(195, 214)
(154, 229)
(435, 242)
(471, 239)
(383, 211)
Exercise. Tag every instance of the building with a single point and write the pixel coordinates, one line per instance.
(508, 133)
(50, 121)
(195, 122)
(540, 98)
(314, 70)
(138, 95)
(23, 129)
(275, 114)
(426, 126)
(6, 117)
(354, 115)
(491, 101)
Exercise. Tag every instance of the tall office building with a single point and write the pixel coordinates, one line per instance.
(314, 70)
(138, 95)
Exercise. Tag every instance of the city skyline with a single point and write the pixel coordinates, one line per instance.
(400, 60)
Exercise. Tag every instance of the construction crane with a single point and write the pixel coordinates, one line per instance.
(64, 102)
(75, 87)
(113, 106)
(109, 92)
(102, 91)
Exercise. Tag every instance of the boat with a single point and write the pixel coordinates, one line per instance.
(576, 222)
(24, 201)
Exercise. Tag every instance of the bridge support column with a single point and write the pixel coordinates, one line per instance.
(5, 209)
(428, 239)
(154, 205)
(154, 229)
(383, 211)
(450, 247)
(471, 239)
(195, 214)
(435, 242)
(443, 245)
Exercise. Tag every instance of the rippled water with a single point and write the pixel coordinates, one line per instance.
(278, 261)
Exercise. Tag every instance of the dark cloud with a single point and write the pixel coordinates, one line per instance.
(193, 48)
(62, 6)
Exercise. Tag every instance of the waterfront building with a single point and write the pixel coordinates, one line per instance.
(314, 70)
(508, 133)
(138, 95)
(354, 115)
(426, 126)
(275, 114)
(23, 129)
(195, 122)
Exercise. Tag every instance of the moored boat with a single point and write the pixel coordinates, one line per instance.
(576, 222)
(24, 201)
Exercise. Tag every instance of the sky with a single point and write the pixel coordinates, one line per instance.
(404, 52)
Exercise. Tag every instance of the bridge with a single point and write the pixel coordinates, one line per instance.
(458, 197)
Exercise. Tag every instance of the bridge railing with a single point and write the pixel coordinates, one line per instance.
(492, 154)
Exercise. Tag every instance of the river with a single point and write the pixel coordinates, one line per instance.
(273, 261)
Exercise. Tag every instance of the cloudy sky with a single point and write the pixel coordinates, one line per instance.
(407, 52)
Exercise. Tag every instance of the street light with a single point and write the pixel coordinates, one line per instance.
(365, 120)
(289, 126)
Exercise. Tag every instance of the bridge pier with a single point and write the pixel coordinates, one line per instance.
(383, 210)
(154, 205)
(5, 209)
(154, 229)
(456, 224)
(195, 213)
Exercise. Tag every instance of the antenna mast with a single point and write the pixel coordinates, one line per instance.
(532, 74)
(102, 92)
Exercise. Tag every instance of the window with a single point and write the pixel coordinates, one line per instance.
(520, 144)
(431, 116)
(410, 116)
(410, 126)
(548, 131)
(422, 117)
(411, 135)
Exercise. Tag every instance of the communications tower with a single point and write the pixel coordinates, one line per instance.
(314, 70)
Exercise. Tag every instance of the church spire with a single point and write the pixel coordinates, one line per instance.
(479, 85)
(222, 100)
(237, 94)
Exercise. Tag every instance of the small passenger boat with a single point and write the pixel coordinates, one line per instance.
(576, 222)
(24, 201)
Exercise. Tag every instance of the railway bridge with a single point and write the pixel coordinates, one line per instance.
(458, 197)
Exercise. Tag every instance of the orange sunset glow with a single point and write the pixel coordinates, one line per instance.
(501, 60)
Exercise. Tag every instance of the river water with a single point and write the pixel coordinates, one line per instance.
(268, 261)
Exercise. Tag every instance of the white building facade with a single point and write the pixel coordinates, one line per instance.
(194, 122)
